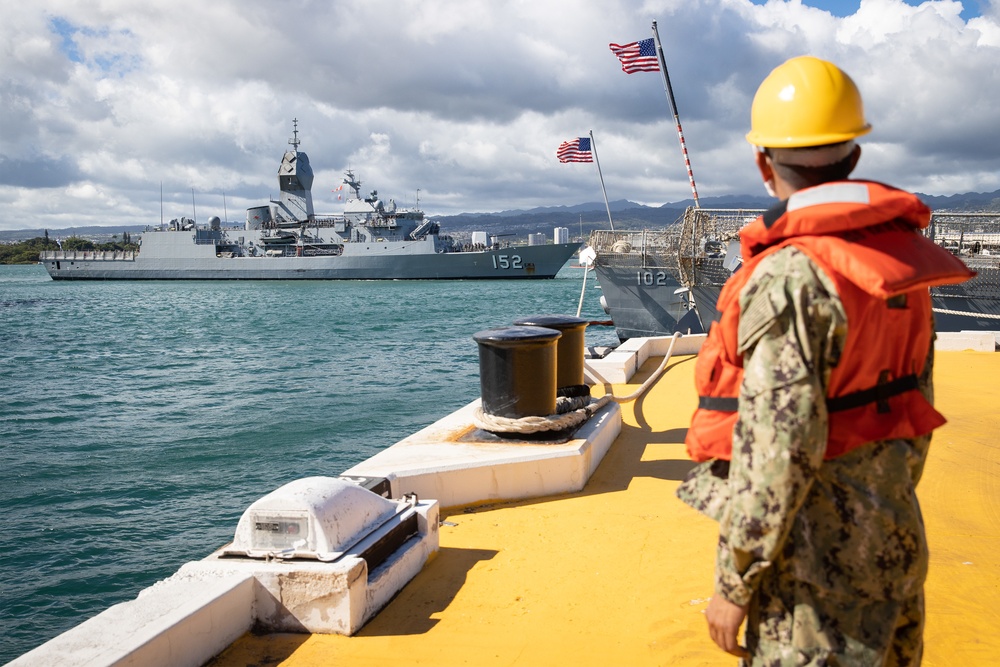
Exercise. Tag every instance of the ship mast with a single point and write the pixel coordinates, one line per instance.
(294, 141)
(353, 183)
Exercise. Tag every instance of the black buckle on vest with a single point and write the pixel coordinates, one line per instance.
(897, 302)
(718, 403)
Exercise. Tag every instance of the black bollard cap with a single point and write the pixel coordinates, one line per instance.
(515, 335)
(560, 322)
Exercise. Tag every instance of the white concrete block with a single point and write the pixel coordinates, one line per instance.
(438, 463)
(174, 623)
(978, 341)
(619, 366)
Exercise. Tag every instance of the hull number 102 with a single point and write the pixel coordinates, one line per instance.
(651, 278)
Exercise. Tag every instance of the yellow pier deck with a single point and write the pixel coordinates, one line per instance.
(620, 573)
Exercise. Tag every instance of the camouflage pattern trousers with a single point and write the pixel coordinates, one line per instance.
(793, 623)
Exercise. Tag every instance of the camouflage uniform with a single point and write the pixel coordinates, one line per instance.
(830, 555)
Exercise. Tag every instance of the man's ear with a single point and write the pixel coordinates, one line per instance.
(764, 165)
(855, 156)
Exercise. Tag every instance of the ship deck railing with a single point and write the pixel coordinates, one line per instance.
(683, 246)
(673, 245)
(88, 255)
(971, 233)
(645, 248)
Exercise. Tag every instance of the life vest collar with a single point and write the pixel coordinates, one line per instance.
(831, 208)
(842, 192)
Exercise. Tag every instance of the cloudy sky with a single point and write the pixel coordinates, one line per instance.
(105, 102)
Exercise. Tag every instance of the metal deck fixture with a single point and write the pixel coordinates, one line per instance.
(517, 371)
(569, 349)
(324, 518)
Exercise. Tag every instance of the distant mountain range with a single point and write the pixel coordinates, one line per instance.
(580, 219)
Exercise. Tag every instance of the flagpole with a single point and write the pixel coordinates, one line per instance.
(593, 147)
(673, 110)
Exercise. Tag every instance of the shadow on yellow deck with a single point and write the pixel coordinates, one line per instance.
(620, 573)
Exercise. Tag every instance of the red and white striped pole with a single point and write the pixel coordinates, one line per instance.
(673, 110)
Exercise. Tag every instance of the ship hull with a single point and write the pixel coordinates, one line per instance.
(163, 258)
(965, 314)
(645, 302)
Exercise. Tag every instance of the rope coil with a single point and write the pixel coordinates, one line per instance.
(570, 418)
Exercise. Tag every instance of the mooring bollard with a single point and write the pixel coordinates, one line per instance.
(517, 371)
(569, 349)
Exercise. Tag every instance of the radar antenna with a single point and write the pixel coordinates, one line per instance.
(353, 183)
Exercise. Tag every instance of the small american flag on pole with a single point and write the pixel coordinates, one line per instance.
(638, 56)
(575, 150)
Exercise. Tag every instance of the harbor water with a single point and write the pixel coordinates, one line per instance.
(139, 419)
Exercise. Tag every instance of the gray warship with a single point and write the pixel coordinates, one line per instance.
(287, 240)
(659, 281)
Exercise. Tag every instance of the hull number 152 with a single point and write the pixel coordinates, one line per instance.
(507, 262)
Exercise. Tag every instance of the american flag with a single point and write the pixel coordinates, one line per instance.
(638, 56)
(575, 150)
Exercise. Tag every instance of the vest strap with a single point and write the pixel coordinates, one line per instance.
(879, 394)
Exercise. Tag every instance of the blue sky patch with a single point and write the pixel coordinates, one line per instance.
(970, 8)
(67, 32)
(108, 58)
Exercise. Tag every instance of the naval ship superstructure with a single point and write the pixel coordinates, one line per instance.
(285, 239)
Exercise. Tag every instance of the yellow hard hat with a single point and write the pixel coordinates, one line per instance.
(806, 102)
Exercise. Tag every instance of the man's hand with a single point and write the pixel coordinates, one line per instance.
(724, 621)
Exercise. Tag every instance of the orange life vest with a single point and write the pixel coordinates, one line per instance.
(863, 235)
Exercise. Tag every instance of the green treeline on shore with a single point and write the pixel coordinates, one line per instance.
(26, 252)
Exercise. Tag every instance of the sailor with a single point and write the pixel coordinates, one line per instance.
(815, 396)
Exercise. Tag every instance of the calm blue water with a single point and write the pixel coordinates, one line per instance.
(139, 420)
